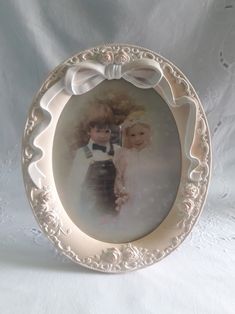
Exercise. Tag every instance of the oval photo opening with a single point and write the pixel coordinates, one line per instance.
(117, 161)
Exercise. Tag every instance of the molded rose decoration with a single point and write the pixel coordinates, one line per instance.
(121, 58)
(191, 190)
(130, 256)
(111, 256)
(46, 214)
(107, 57)
(51, 222)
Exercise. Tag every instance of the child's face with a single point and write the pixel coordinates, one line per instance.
(139, 136)
(100, 135)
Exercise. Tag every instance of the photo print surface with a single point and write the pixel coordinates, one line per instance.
(117, 161)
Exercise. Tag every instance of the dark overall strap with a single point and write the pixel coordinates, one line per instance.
(111, 152)
(88, 152)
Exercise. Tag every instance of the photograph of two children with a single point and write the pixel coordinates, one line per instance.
(124, 167)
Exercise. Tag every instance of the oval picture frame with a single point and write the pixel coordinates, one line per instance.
(80, 75)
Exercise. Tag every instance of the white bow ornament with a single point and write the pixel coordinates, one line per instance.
(79, 79)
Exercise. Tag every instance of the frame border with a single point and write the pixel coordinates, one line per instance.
(110, 257)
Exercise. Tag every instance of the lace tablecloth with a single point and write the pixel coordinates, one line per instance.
(199, 37)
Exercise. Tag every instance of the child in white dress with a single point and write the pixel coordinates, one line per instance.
(137, 182)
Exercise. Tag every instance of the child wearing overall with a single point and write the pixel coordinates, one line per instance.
(94, 171)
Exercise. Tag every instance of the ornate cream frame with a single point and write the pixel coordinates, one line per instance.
(196, 164)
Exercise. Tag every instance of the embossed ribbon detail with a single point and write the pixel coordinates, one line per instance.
(79, 79)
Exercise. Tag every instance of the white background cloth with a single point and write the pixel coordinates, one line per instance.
(199, 37)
